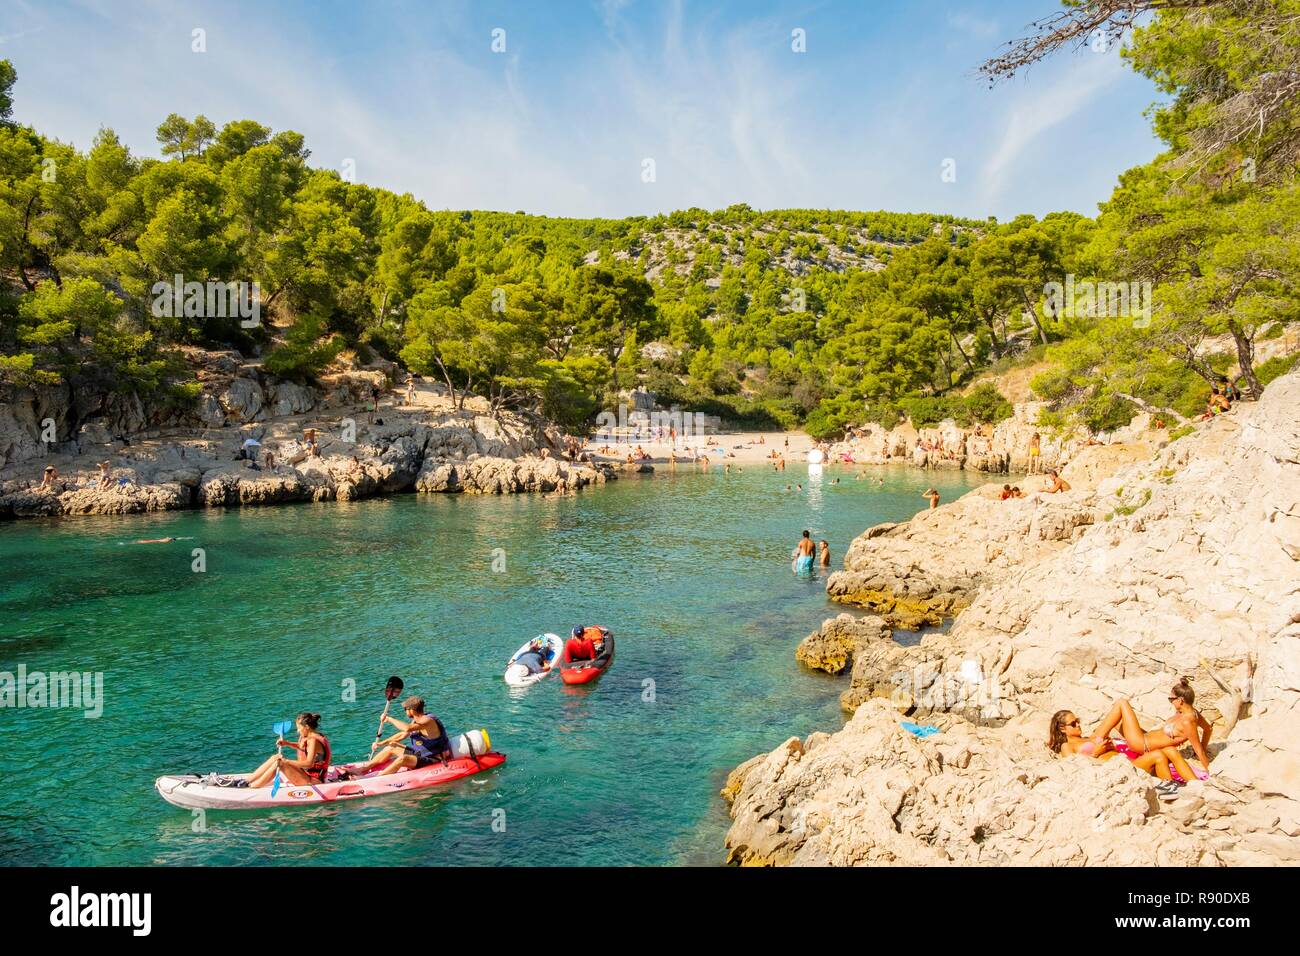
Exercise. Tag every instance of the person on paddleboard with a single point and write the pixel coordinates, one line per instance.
(535, 658)
(426, 742)
(310, 764)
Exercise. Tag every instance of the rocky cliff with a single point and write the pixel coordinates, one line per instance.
(164, 460)
(1181, 561)
(997, 449)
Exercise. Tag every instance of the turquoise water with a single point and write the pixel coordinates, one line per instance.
(691, 571)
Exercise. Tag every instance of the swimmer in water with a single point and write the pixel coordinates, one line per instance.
(803, 554)
(155, 541)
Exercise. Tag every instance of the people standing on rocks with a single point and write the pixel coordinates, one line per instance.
(803, 554)
(1056, 484)
(309, 441)
(105, 478)
(269, 459)
(932, 496)
(1035, 453)
(410, 390)
(50, 478)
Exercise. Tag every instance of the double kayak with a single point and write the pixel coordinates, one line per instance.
(471, 754)
(518, 675)
(586, 670)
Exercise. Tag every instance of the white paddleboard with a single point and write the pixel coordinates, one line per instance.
(517, 675)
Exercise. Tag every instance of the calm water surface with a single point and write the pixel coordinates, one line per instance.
(691, 571)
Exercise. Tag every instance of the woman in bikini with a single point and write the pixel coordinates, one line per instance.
(1065, 737)
(305, 769)
(1186, 726)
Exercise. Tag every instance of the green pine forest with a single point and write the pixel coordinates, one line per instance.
(779, 318)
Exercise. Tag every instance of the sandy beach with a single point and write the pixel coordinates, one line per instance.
(738, 448)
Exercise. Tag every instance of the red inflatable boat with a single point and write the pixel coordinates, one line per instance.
(585, 670)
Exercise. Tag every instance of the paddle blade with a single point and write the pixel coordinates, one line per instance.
(393, 688)
(275, 785)
(282, 727)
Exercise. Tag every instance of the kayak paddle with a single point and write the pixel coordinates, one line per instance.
(281, 727)
(391, 690)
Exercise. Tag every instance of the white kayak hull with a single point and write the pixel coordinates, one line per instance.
(192, 793)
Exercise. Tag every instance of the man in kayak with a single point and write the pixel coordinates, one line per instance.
(426, 742)
(579, 647)
(586, 644)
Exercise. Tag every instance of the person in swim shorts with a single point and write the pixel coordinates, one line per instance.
(803, 554)
(425, 737)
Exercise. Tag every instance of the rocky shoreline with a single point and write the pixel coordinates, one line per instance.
(427, 446)
(1167, 558)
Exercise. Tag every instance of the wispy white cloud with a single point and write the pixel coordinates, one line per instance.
(1046, 106)
(561, 121)
(972, 25)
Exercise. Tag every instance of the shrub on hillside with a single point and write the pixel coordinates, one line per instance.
(303, 354)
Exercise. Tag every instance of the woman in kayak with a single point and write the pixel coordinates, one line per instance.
(308, 767)
(426, 742)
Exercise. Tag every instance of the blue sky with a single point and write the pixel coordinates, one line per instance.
(585, 91)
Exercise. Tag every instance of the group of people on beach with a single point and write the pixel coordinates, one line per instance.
(1157, 752)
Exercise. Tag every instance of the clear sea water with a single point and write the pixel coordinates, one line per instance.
(691, 571)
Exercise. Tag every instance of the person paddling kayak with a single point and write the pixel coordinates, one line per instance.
(426, 742)
(308, 767)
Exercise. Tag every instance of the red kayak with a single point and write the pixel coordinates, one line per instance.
(585, 670)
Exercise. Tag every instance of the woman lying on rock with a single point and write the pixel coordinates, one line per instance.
(1065, 736)
(1185, 726)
